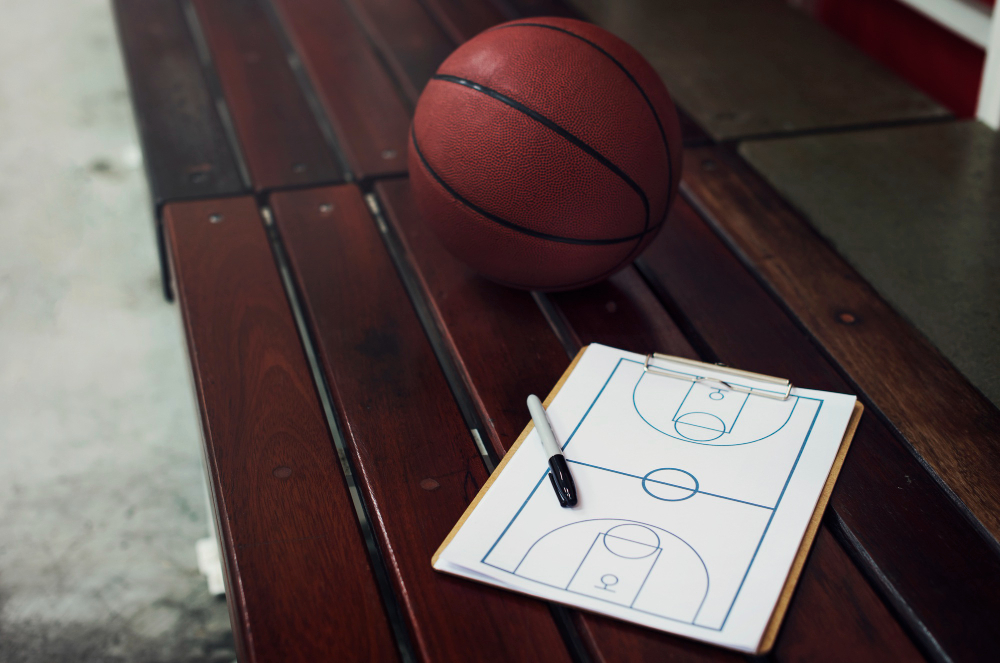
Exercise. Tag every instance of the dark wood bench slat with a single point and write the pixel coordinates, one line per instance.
(299, 581)
(505, 349)
(463, 19)
(364, 107)
(280, 140)
(185, 149)
(416, 462)
(411, 42)
(924, 548)
(833, 617)
(624, 312)
(186, 152)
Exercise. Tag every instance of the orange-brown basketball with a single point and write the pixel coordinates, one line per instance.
(545, 153)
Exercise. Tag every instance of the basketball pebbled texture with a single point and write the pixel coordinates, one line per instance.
(545, 153)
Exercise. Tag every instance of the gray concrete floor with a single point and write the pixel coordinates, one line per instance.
(100, 469)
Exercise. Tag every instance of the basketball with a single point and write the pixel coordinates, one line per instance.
(545, 154)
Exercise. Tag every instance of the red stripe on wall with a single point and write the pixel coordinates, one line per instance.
(929, 56)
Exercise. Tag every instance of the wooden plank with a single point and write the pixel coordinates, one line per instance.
(185, 149)
(463, 20)
(505, 350)
(416, 462)
(624, 312)
(368, 115)
(280, 140)
(957, 435)
(298, 578)
(916, 544)
(835, 612)
(411, 42)
(510, 314)
(691, 132)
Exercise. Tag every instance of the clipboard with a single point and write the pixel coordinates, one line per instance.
(781, 605)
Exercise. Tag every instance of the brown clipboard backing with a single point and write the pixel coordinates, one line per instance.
(781, 606)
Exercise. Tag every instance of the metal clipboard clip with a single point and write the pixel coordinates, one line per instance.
(720, 368)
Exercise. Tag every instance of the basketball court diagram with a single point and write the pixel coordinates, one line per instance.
(697, 454)
(626, 562)
(707, 414)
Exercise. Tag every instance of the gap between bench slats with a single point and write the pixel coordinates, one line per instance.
(298, 579)
(280, 140)
(415, 460)
(462, 20)
(411, 42)
(361, 100)
(506, 348)
(185, 149)
(186, 152)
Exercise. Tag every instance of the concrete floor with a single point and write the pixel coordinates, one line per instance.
(100, 471)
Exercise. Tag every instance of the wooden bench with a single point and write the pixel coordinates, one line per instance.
(322, 318)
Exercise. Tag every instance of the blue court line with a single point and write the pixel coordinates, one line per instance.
(782, 494)
(672, 485)
(714, 430)
(613, 371)
(658, 551)
(580, 565)
(546, 472)
(504, 532)
(571, 591)
(679, 406)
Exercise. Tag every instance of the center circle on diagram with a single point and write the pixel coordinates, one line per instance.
(631, 541)
(670, 484)
(699, 426)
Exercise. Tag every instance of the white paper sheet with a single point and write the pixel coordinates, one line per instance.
(693, 500)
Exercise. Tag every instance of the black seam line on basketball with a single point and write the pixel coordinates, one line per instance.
(656, 116)
(507, 224)
(541, 119)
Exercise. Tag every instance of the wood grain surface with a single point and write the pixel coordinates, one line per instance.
(952, 427)
(280, 140)
(829, 618)
(298, 579)
(913, 541)
(416, 462)
(408, 39)
(185, 149)
(464, 19)
(367, 112)
(501, 343)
